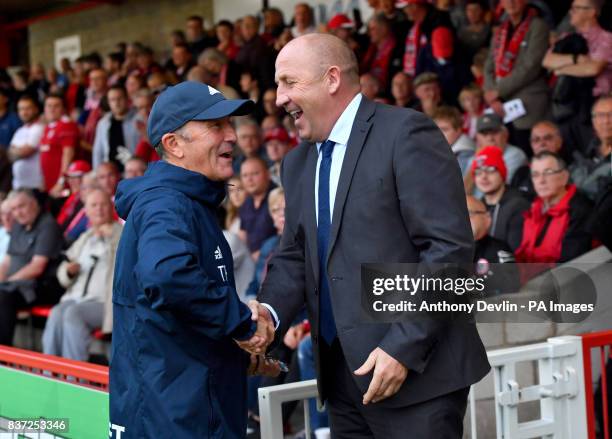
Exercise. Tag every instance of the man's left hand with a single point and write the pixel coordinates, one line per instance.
(389, 375)
(260, 365)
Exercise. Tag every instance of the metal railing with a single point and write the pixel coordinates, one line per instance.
(270, 406)
(560, 392)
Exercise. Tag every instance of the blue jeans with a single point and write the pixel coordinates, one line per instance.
(307, 372)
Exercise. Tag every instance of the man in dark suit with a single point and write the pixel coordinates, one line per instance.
(371, 183)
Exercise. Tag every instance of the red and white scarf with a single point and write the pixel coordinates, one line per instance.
(505, 51)
(414, 42)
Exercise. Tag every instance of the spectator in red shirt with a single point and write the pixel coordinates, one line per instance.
(58, 144)
(225, 35)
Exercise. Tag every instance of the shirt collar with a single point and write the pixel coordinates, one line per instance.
(341, 131)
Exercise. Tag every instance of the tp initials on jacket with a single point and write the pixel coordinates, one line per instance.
(222, 269)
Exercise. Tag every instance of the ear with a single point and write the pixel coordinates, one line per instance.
(333, 79)
(171, 146)
(566, 177)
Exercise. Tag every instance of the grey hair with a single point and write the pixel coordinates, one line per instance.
(213, 54)
(22, 191)
(181, 131)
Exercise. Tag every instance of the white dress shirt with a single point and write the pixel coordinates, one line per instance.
(340, 134)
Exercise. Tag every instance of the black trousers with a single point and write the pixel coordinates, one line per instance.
(438, 418)
(10, 302)
(48, 291)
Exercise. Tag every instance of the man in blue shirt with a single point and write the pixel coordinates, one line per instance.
(9, 121)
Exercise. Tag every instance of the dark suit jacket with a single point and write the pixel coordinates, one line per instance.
(399, 199)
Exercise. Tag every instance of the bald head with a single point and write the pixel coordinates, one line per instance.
(325, 51)
(317, 78)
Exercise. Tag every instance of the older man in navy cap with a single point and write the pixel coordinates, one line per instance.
(176, 368)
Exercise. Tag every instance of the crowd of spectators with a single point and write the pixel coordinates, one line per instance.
(521, 91)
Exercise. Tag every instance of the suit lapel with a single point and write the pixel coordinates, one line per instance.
(359, 132)
(309, 207)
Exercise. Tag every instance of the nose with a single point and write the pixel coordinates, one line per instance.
(230, 133)
(281, 98)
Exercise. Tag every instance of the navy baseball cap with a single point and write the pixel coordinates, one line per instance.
(188, 101)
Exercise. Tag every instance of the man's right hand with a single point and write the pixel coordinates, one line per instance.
(264, 335)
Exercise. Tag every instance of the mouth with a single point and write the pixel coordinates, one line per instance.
(226, 152)
(296, 114)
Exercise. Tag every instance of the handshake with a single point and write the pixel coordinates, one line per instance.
(259, 342)
(264, 335)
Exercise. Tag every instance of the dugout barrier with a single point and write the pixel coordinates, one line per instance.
(564, 392)
(39, 387)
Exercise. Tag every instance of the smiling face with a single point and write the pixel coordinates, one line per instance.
(302, 93)
(206, 147)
